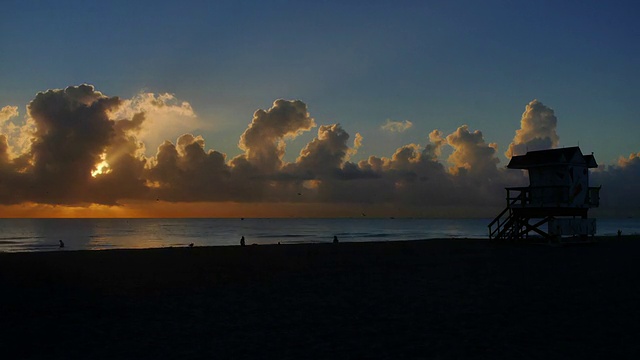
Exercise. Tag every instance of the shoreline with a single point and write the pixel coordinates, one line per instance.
(446, 298)
(532, 241)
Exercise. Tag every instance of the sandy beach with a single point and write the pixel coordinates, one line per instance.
(415, 299)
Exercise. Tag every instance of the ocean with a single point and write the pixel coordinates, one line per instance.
(18, 235)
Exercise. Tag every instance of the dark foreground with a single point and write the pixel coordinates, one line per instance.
(422, 299)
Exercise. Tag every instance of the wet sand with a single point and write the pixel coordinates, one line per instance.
(417, 299)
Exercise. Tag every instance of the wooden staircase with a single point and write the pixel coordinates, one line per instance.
(502, 226)
(513, 222)
(506, 225)
(513, 225)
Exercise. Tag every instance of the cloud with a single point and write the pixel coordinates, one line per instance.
(326, 153)
(537, 130)
(84, 148)
(71, 137)
(620, 193)
(18, 137)
(434, 149)
(471, 153)
(186, 172)
(72, 131)
(263, 141)
(357, 141)
(165, 116)
(7, 112)
(631, 161)
(397, 126)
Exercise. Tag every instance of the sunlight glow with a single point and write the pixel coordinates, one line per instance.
(102, 167)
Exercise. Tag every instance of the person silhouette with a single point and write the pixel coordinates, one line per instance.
(242, 241)
(335, 239)
(61, 243)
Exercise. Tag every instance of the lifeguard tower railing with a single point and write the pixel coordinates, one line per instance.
(549, 196)
(506, 225)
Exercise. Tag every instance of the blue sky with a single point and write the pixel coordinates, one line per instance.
(438, 64)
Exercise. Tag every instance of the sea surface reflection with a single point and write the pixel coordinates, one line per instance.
(99, 234)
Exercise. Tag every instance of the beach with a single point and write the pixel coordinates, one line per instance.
(445, 298)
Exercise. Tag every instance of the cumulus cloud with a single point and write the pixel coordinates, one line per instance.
(185, 171)
(7, 112)
(263, 141)
(631, 161)
(165, 116)
(84, 147)
(18, 135)
(325, 153)
(357, 142)
(471, 153)
(537, 130)
(71, 140)
(72, 131)
(397, 126)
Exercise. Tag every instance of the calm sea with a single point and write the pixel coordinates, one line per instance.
(98, 234)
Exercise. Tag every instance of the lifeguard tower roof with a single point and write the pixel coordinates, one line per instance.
(563, 156)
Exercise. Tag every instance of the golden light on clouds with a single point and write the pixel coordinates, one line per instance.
(102, 167)
(85, 157)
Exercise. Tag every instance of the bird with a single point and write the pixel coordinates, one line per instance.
(61, 243)
(191, 245)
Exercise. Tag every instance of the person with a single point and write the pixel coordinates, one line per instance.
(242, 241)
(335, 239)
(619, 233)
(61, 243)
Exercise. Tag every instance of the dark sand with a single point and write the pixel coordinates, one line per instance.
(422, 299)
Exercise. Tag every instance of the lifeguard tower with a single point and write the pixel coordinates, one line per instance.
(558, 195)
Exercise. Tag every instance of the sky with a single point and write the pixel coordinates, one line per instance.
(324, 108)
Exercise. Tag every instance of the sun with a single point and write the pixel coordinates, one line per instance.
(102, 167)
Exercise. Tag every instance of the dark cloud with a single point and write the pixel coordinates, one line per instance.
(83, 148)
(620, 193)
(186, 172)
(325, 154)
(263, 141)
(72, 130)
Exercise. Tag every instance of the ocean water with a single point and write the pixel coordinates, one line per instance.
(98, 234)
